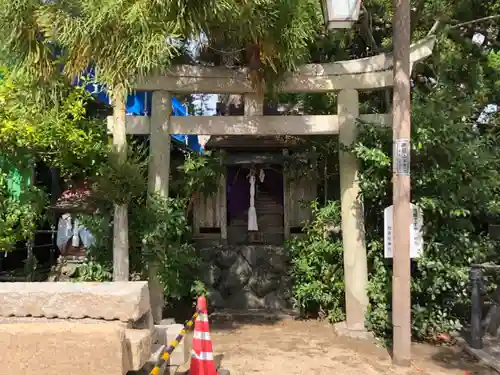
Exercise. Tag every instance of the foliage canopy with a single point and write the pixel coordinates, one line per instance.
(123, 40)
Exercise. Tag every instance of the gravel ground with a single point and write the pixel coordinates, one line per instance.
(290, 347)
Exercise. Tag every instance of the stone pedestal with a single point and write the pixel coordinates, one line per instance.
(247, 277)
(65, 268)
(341, 329)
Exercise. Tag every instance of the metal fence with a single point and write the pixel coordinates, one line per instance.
(485, 303)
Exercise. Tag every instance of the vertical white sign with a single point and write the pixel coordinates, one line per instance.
(416, 232)
(401, 157)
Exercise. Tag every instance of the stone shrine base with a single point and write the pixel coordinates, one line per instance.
(247, 277)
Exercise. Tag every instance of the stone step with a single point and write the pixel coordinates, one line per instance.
(271, 229)
(259, 215)
(264, 209)
(268, 212)
(273, 205)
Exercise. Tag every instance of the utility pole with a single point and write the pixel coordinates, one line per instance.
(402, 217)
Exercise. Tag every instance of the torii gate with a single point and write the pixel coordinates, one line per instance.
(347, 77)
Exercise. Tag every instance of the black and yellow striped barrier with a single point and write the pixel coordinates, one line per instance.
(165, 356)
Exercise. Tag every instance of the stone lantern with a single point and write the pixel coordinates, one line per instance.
(340, 14)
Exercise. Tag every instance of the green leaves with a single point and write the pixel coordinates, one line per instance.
(125, 39)
(19, 215)
(200, 174)
(37, 124)
(317, 268)
(454, 180)
(159, 229)
(52, 124)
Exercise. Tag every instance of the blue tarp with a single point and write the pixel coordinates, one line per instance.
(139, 104)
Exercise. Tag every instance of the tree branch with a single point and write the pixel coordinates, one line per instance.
(415, 15)
(434, 27)
(475, 21)
(458, 25)
(368, 26)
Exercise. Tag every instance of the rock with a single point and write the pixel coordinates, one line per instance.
(237, 276)
(211, 275)
(215, 299)
(251, 254)
(145, 322)
(245, 299)
(274, 301)
(208, 255)
(279, 262)
(226, 257)
(263, 281)
(119, 300)
(242, 276)
(63, 271)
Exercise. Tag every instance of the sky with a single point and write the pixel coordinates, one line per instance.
(211, 99)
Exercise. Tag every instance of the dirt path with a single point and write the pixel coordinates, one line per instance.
(291, 347)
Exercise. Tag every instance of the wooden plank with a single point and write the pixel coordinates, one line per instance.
(379, 119)
(367, 73)
(208, 211)
(256, 125)
(239, 84)
(196, 215)
(286, 200)
(223, 205)
(250, 125)
(253, 158)
(302, 192)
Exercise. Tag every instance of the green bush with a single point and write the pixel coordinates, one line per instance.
(455, 180)
(158, 232)
(317, 267)
(20, 210)
(159, 229)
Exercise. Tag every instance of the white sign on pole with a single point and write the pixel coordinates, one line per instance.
(401, 157)
(416, 232)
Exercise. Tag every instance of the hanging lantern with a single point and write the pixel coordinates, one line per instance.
(340, 14)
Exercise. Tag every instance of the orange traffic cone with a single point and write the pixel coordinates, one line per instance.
(202, 357)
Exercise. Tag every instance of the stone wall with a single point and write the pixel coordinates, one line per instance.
(247, 277)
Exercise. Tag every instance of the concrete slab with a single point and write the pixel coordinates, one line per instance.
(125, 301)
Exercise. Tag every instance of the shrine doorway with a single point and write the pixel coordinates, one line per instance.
(268, 203)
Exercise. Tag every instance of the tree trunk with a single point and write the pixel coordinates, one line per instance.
(120, 220)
